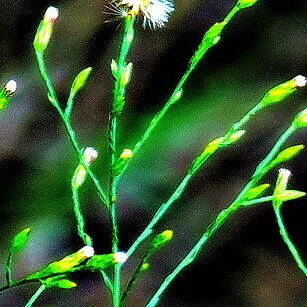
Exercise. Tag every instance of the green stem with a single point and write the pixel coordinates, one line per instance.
(70, 132)
(117, 106)
(9, 279)
(159, 214)
(175, 97)
(284, 234)
(260, 171)
(80, 219)
(184, 183)
(133, 279)
(264, 166)
(73, 139)
(36, 295)
(212, 228)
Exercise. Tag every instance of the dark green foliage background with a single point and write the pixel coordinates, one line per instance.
(246, 264)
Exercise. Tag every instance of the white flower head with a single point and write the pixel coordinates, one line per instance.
(155, 13)
(11, 86)
(300, 81)
(87, 251)
(90, 154)
(120, 257)
(51, 14)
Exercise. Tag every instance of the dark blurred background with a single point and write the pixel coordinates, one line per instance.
(246, 264)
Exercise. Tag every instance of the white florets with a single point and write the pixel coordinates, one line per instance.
(90, 154)
(11, 86)
(300, 81)
(52, 13)
(87, 251)
(155, 12)
(120, 257)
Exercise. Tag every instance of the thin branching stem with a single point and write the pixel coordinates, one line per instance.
(184, 183)
(87, 240)
(260, 171)
(70, 132)
(8, 275)
(285, 236)
(118, 103)
(36, 295)
(176, 95)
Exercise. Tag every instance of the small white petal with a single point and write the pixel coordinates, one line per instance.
(11, 86)
(87, 251)
(52, 13)
(285, 172)
(90, 154)
(120, 257)
(300, 81)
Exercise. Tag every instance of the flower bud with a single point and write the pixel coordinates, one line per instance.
(6, 93)
(234, 137)
(160, 241)
(78, 177)
(45, 29)
(242, 4)
(90, 154)
(126, 74)
(287, 154)
(120, 257)
(300, 120)
(282, 91)
(87, 251)
(80, 80)
(126, 154)
(119, 164)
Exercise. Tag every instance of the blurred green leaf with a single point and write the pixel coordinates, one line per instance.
(19, 241)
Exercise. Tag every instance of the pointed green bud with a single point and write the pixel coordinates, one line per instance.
(280, 92)
(126, 74)
(210, 149)
(80, 80)
(145, 267)
(45, 29)
(242, 4)
(79, 177)
(89, 155)
(20, 240)
(213, 146)
(256, 191)
(211, 38)
(121, 162)
(300, 120)
(6, 92)
(287, 154)
(289, 195)
(114, 68)
(64, 265)
(160, 241)
(59, 283)
(234, 137)
(100, 262)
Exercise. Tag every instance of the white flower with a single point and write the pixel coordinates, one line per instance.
(11, 86)
(300, 81)
(120, 257)
(87, 251)
(155, 12)
(51, 14)
(90, 154)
